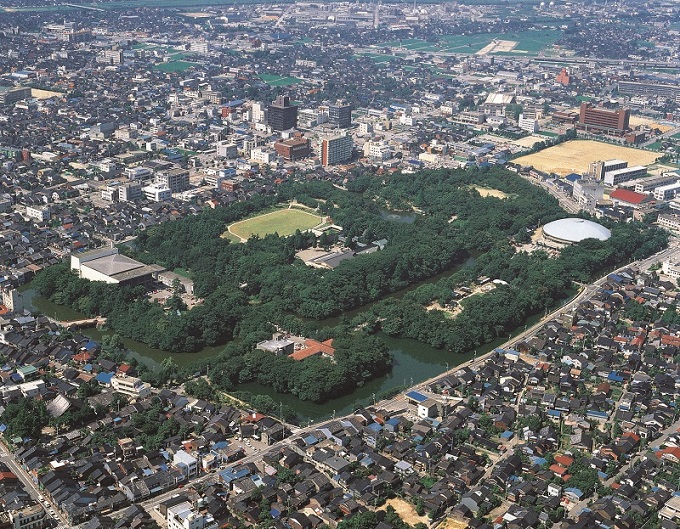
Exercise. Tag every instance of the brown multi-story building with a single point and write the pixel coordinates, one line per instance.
(293, 149)
(603, 120)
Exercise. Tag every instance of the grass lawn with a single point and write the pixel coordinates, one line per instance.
(279, 80)
(174, 66)
(284, 222)
(182, 272)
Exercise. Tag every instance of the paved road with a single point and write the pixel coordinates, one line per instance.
(398, 401)
(30, 487)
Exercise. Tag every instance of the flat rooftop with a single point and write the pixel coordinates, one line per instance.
(111, 265)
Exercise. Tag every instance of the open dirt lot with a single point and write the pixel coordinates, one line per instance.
(575, 156)
(638, 120)
(488, 192)
(498, 45)
(527, 141)
(407, 511)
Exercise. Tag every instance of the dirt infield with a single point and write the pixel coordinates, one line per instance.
(575, 156)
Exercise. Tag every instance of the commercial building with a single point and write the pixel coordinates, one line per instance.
(227, 149)
(588, 193)
(614, 178)
(336, 149)
(667, 91)
(12, 94)
(138, 173)
(645, 185)
(130, 192)
(157, 192)
(183, 516)
(281, 114)
(186, 463)
(176, 179)
(38, 213)
(340, 114)
(108, 266)
(130, 386)
(669, 221)
(30, 517)
(596, 119)
(293, 149)
(263, 155)
(598, 169)
(666, 192)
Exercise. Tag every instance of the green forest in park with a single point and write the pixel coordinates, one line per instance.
(252, 287)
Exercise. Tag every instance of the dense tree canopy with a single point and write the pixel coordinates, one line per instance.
(250, 289)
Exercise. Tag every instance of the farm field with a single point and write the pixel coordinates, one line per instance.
(278, 80)
(527, 43)
(284, 222)
(575, 156)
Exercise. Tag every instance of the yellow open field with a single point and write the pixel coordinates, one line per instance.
(407, 511)
(489, 192)
(575, 156)
(44, 94)
(639, 120)
(496, 46)
(527, 141)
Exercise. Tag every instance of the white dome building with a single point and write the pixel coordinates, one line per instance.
(573, 230)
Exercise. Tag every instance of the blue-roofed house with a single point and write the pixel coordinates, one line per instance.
(104, 379)
(310, 440)
(615, 377)
(415, 397)
(573, 494)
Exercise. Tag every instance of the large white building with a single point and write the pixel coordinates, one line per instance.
(176, 179)
(182, 516)
(108, 266)
(614, 178)
(39, 213)
(130, 386)
(157, 192)
(186, 463)
(666, 192)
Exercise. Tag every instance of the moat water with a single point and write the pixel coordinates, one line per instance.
(413, 360)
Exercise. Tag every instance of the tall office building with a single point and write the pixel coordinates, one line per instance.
(336, 149)
(340, 114)
(281, 114)
(603, 120)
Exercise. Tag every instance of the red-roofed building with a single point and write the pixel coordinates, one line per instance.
(8, 476)
(630, 199)
(670, 454)
(313, 348)
(83, 357)
(565, 461)
(558, 470)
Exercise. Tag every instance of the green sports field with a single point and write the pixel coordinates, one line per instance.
(174, 66)
(284, 222)
(279, 80)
